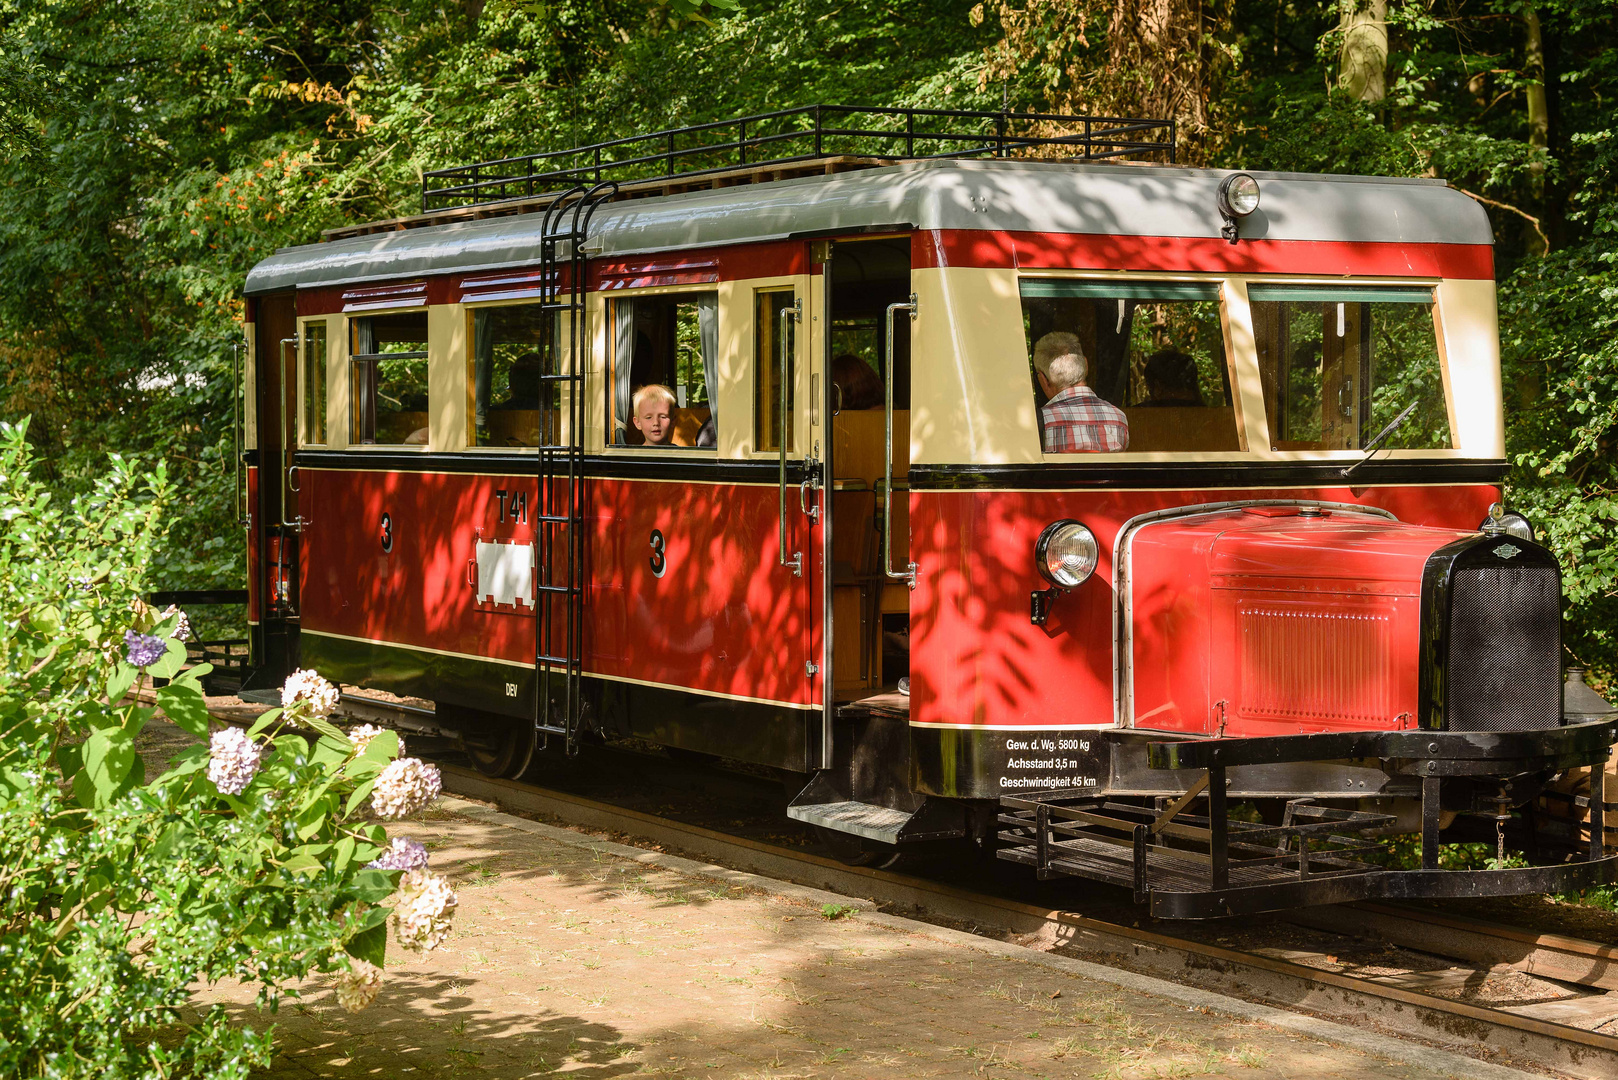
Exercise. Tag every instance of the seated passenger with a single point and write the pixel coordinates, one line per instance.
(654, 414)
(1171, 380)
(856, 385)
(523, 383)
(1075, 419)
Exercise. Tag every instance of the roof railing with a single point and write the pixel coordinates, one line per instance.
(789, 136)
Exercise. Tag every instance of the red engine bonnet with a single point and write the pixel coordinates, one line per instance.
(1265, 621)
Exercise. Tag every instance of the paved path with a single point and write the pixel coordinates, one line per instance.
(587, 959)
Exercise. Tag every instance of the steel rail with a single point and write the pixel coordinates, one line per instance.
(1458, 1025)
(1522, 1041)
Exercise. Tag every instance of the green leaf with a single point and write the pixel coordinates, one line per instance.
(194, 674)
(108, 757)
(359, 795)
(381, 750)
(371, 886)
(303, 864)
(370, 944)
(172, 660)
(122, 679)
(330, 751)
(323, 727)
(343, 855)
(265, 720)
(184, 704)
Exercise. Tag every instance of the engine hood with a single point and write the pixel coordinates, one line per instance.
(1270, 620)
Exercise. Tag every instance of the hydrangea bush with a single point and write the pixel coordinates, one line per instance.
(255, 857)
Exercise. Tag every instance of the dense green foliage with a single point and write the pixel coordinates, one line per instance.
(121, 894)
(178, 141)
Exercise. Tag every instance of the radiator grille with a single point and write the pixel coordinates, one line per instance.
(1505, 649)
(1305, 663)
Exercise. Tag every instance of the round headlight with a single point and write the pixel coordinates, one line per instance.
(1238, 195)
(1501, 520)
(1066, 553)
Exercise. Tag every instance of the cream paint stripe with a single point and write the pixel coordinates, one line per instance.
(704, 693)
(587, 673)
(417, 648)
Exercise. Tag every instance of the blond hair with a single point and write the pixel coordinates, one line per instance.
(652, 390)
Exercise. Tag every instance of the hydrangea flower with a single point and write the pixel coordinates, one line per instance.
(404, 787)
(143, 650)
(357, 987)
(361, 737)
(421, 913)
(402, 854)
(182, 629)
(233, 760)
(307, 685)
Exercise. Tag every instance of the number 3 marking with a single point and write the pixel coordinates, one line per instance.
(387, 533)
(659, 559)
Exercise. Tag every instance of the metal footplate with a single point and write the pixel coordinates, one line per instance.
(1192, 866)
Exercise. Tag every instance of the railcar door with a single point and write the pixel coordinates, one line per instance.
(274, 496)
(868, 333)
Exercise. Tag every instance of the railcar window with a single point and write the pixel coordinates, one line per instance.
(773, 331)
(389, 379)
(508, 394)
(1339, 363)
(1152, 352)
(314, 383)
(670, 341)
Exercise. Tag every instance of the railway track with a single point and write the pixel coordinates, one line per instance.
(1555, 1035)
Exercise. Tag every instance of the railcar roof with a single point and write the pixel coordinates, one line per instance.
(993, 195)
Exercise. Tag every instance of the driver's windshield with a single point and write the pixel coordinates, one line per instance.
(1339, 363)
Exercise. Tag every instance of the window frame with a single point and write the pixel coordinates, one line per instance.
(305, 323)
(1253, 424)
(352, 397)
(468, 372)
(608, 368)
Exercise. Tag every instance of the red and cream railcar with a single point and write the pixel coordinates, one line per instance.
(1268, 597)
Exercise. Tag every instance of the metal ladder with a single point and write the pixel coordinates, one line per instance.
(560, 531)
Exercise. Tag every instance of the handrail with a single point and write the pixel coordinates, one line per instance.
(908, 575)
(788, 316)
(660, 155)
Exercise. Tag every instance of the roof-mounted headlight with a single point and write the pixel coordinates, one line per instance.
(1066, 553)
(1238, 197)
(1501, 520)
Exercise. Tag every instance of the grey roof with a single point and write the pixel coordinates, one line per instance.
(1128, 200)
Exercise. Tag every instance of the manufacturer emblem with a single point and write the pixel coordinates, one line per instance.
(1508, 551)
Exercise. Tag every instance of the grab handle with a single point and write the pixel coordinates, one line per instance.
(788, 316)
(908, 575)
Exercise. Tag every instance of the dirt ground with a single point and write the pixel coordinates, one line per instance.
(597, 963)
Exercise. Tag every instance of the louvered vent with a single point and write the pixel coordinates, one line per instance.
(1299, 662)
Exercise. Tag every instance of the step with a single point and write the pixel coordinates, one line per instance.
(857, 818)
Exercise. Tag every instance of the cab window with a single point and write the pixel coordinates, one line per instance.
(313, 380)
(1340, 363)
(1153, 353)
(388, 373)
(665, 350)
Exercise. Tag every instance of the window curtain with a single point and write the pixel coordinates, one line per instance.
(708, 325)
(622, 356)
(482, 365)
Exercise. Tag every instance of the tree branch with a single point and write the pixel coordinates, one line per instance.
(1525, 215)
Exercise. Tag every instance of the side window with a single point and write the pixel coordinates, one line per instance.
(388, 379)
(1137, 366)
(665, 361)
(1341, 363)
(774, 368)
(507, 361)
(313, 381)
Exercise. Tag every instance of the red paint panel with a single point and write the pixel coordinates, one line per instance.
(724, 617)
(1100, 251)
(976, 659)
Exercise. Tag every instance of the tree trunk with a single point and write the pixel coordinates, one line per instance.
(1362, 64)
(1539, 115)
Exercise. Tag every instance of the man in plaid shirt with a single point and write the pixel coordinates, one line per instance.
(1075, 420)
